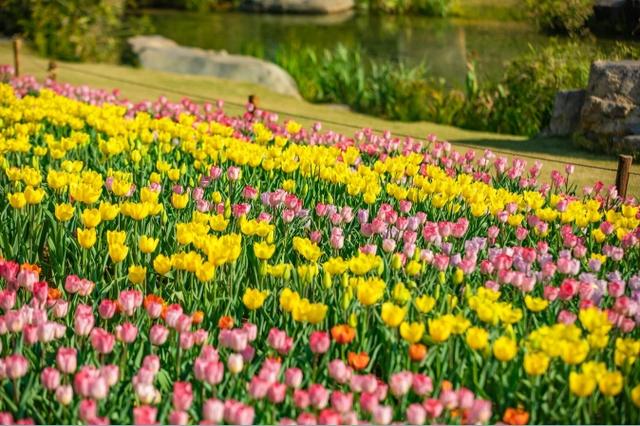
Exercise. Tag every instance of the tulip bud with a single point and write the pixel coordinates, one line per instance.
(327, 280)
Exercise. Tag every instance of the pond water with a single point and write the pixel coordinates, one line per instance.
(442, 45)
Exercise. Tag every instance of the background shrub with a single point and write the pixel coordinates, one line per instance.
(561, 15)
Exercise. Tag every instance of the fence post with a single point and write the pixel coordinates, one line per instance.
(52, 70)
(253, 100)
(622, 176)
(17, 44)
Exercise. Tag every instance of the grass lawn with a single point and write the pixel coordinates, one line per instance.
(135, 85)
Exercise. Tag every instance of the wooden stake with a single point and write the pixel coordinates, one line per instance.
(253, 100)
(622, 176)
(17, 44)
(53, 70)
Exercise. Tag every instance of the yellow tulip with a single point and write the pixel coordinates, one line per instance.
(392, 315)
(505, 349)
(439, 329)
(147, 244)
(137, 274)
(17, 200)
(64, 212)
(33, 196)
(611, 382)
(425, 303)
(118, 252)
(254, 299)
(86, 237)
(536, 363)
(90, 218)
(264, 251)
(162, 264)
(205, 272)
(635, 396)
(535, 304)
(477, 338)
(412, 332)
(581, 384)
(179, 201)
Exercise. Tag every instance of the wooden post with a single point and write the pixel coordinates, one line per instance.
(53, 70)
(17, 44)
(622, 176)
(253, 100)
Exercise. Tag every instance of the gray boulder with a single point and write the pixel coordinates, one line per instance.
(298, 6)
(162, 54)
(566, 113)
(610, 116)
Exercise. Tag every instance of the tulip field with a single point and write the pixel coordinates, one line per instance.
(165, 262)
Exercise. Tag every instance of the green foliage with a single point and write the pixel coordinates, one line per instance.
(76, 30)
(424, 7)
(520, 103)
(568, 16)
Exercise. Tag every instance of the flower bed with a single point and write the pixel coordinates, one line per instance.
(168, 263)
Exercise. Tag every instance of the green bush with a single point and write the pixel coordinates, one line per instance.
(561, 15)
(520, 103)
(423, 7)
(76, 30)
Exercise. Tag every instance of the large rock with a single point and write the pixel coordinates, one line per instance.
(566, 113)
(610, 115)
(159, 53)
(298, 6)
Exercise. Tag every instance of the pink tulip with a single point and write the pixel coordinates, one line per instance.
(87, 411)
(186, 340)
(214, 372)
(339, 371)
(7, 299)
(16, 366)
(416, 414)
(60, 308)
(400, 383)
(433, 408)
(66, 360)
(318, 396)
(341, 402)
(107, 309)
(145, 415)
(277, 392)
(178, 418)
(126, 332)
(102, 341)
(64, 394)
(307, 419)
(182, 396)
(258, 387)
(329, 417)
(319, 342)
(293, 377)
(129, 301)
(382, 415)
(301, 399)
(50, 378)
(158, 335)
(422, 384)
(213, 410)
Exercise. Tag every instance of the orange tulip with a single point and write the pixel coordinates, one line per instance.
(53, 293)
(515, 416)
(225, 322)
(358, 361)
(197, 317)
(417, 352)
(343, 333)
